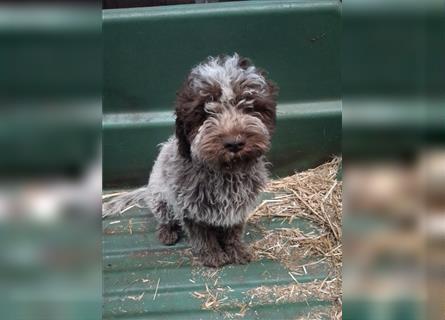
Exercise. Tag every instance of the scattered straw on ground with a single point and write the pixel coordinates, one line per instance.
(315, 195)
(325, 290)
(290, 247)
(218, 298)
(320, 313)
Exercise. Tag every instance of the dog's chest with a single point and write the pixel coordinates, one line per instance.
(219, 190)
(219, 198)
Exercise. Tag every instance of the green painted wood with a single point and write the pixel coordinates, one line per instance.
(149, 51)
(393, 48)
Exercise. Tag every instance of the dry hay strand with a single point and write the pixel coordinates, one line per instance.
(289, 246)
(315, 195)
(321, 290)
(319, 313)
(213, 298)
(217, 299)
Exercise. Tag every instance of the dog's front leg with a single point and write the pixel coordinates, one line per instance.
(232, 242)
(204, 242)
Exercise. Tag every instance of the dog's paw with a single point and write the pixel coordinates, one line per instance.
(239, 254)
(167, 235)
(214, 259)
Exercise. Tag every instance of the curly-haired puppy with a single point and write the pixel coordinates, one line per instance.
(207, 177)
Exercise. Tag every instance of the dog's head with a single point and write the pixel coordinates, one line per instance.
(225, 112)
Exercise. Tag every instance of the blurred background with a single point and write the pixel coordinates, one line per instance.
(394, 159)
(50, 172)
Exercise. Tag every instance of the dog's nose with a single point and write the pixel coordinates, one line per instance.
(234, 145)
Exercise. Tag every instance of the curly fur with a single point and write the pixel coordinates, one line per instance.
(198, 182)
(179, 188)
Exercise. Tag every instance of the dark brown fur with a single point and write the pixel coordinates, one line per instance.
(217, 246)
(169, 233)
(190, 115)
(231, 240)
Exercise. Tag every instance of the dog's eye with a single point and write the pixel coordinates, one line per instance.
(248, 109)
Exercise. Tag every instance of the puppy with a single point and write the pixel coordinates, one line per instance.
(206, 178)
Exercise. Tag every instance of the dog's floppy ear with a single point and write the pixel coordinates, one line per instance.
(183, 144)
(182, 106)
(188, 118)
(266, 105)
